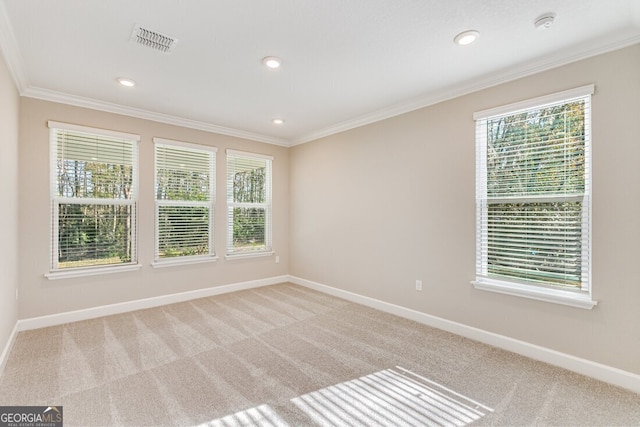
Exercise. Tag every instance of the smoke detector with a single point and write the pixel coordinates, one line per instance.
(153, 39)
(545, 21)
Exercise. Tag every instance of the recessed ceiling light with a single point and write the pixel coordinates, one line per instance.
(126, 82)
(272, 62)
(545, 21)
(278, 121)
(466, 37)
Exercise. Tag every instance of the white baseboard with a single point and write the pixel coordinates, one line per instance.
(608, 374)
(7, 348)
(123, 307)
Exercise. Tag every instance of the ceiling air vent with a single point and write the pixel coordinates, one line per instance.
(153, 39)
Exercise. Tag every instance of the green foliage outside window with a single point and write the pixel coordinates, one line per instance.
(93, 233)
(183, 231)
(537, 152)
(249, 222)
(536, 158)
(183, 177)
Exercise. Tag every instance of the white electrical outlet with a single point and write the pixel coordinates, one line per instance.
(277, 259)
(418, 285)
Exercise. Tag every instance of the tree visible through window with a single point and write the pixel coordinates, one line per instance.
(93, 197)
(185, 199)
(249, 202)
(533, 195)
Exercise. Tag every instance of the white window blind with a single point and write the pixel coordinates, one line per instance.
(93, 197)
(533, 193)
(185, 199)
(248, 203)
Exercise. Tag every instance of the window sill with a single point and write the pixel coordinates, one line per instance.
(95, 271)
(171, 262)
(246, 255)
(556, 296)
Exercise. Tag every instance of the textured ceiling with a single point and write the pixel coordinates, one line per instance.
(345, 62)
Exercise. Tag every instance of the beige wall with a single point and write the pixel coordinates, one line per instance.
(9, 111)
(375, 208)
(40, 296)
(368, 211)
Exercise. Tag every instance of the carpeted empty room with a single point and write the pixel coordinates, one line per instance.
(319, 213)
(286, 355)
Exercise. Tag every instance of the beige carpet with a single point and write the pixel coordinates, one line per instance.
(285, 355)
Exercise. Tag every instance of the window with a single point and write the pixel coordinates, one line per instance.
(93, 197)
(533, 198)
(248, 203)
(185, 201)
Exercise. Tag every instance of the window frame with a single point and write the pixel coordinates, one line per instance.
(267, 206)
(581, 298)
(210, 204)
(55, 200)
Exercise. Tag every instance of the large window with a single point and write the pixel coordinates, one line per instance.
(533, 198)
(248, 203)
(185, 200)
(93, 197)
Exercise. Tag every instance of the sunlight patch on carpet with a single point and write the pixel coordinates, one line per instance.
(262, 415)
(392, 397)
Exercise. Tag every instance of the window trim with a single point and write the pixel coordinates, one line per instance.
(244, 255)
(54, 201)
(268, 250)
(185, 259)
(538, 102)
(92, 130)
(581, 298)
(91, 271)
(577, 299)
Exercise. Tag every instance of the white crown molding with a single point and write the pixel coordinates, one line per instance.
(13, 58)
(78, 101)
(495, 79)
(9, 47)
